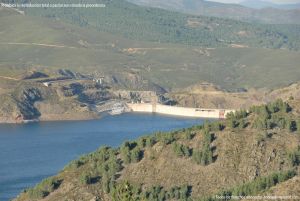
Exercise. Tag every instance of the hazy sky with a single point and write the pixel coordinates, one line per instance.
(273, 1)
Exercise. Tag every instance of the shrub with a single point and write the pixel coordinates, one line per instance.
(167, 138)
(105, 182)
(150, 141)
(242, 124)
(205, 155)
(261, 111)
(260, 184)
(240, 114)
(260, 123)
(85, 178)
(232, 123)
(142, 142)
(179, 193)
(44, 188)
(155, 193)
(181, 150)
(136, 155)
(37, 193)
(103, 154)
(124, 191)
(294, 157)
(131, 153)
(125, 152)
(189, 135)
(298, 125)
(292, 125)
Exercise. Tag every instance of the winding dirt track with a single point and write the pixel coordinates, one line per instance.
(40, 44)
(9, 78)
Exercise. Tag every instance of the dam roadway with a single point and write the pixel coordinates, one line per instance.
(179, 111)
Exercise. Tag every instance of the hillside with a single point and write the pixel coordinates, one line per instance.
(250, 153)
(249, 11)
(206, 95)
(150, 24)
(55, 45)
(67, 95)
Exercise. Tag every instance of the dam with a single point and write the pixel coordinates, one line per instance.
(179, 111)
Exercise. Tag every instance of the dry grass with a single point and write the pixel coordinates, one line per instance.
(230, 169)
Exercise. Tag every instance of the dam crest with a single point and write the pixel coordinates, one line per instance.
(179, 111)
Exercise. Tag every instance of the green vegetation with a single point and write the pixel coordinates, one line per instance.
(166, 138)
(205, 155)
(157, 193)
(88, 50)
(259, 185)
(156, 25)
(295, 157)
(44, 188)
(237, 119)
(121, 175)
(188, 134)
(182, 150)
(86, 178)
(131, 153)
(270, 116)
(125, 191)
(103, 164)
(273, 115)
(221, 10)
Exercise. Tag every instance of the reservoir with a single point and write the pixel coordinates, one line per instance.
(32, 152)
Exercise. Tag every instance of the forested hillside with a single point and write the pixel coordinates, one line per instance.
(39, 44)
(250, 153)
(150, 24)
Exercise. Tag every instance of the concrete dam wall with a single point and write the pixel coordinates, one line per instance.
(179, 111)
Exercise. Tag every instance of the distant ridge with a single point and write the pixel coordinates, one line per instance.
(258, 4)
(248, 12)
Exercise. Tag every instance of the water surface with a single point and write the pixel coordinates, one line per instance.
(32, 152)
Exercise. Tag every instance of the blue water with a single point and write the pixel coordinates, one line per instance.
(32, 152)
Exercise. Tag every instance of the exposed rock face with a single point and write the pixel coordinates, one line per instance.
(33, 101)
(9, 110)
(70, 74)
(132, 81)
(136, 96)
(19, 106)
(87, 92)
(69, 97)
(26, 102)
(95, 96)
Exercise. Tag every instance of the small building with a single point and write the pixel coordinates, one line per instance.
(99, 80)
(47, 84)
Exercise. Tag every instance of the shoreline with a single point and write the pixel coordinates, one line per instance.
(146, 108)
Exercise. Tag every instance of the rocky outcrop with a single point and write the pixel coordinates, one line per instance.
(19, 106)
(25, 102)
(9, 110)
(70, 74)
(133, 81)
(136, 96)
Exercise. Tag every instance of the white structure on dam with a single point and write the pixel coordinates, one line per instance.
(179, 111)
